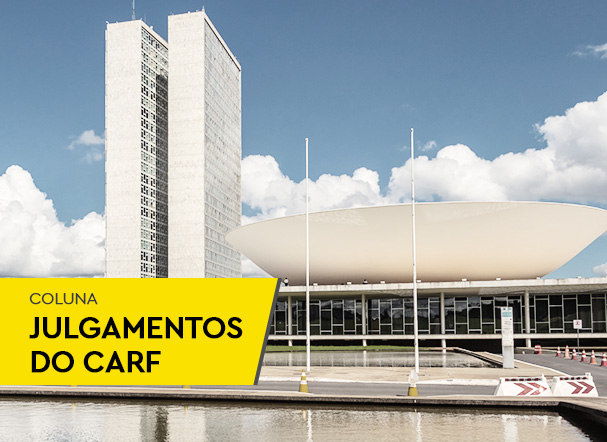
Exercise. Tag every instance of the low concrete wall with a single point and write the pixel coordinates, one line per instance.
(483, 356)
(584, 412)
(274, 397)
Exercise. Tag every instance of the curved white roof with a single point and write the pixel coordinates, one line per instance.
(455, 240)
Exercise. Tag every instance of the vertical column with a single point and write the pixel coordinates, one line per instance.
(289, 320)
(443, 341)
(527, 319)
(363, 311)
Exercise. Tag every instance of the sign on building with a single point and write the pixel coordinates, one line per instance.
(507, 338)
(507, 327)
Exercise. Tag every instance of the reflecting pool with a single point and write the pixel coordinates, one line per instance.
(372, 359)
(55, 420)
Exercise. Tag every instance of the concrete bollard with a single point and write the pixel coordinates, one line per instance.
(412, 383)
(303, 383)
(574, 386)
(519, 386)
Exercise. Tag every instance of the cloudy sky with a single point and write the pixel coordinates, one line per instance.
(508, 102)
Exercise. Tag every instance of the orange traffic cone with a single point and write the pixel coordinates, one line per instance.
(567, 355)
(584, 358)
(604, 361)
(538, 350)
(593, 359)
(574, 356)
(558, 352)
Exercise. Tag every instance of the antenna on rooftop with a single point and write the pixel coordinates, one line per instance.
(133, 16)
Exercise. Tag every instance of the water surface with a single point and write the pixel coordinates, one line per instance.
(372, 359)
(56, 420)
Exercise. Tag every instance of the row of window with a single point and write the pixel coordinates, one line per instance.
(462, 315)
(148, 38)
(555, 313)
(214, 205)
(216, 270)
(225, 221)
(221, 248)
(158, 157)
(216, 225)
(222, 145)
(221, 260)
(154, 60)
(151, 49)
(148, 70)
(154, 258)
(148, 136)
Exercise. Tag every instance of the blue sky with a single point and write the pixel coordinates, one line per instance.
(352, 76)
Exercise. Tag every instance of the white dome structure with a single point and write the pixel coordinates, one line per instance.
(455, 240)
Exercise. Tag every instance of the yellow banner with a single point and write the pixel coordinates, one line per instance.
(134, 331)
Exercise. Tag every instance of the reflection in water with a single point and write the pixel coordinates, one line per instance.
(510, 429)
(372, 359)
(46, 421)
(162, 424)
(308, 419)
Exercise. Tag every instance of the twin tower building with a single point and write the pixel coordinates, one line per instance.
(173, 150)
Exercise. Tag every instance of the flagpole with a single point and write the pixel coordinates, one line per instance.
(415, 325)
(307, 268)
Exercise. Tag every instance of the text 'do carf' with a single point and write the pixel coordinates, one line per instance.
(135, 331)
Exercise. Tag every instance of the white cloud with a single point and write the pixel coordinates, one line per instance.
(600, 270)
(267, 190)
(90, 144)
(599, 51)
(572, 168)
(35, 243)
(251, 270)
(430, 145)
(88, 138)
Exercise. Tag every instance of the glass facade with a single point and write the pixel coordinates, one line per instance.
(555, 313)
(222, 157)
(154, 155)
(462, 315)
(331, 317)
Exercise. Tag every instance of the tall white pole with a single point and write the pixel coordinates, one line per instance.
(415, 329)
(307, 268)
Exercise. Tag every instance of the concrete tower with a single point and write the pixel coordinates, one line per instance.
(173, 150)
(136, 123)
(205, 149)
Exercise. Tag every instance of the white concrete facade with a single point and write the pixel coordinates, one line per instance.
(186, 137)
(173, 150)
(205, 149)
(135, 65)
(455, 241)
